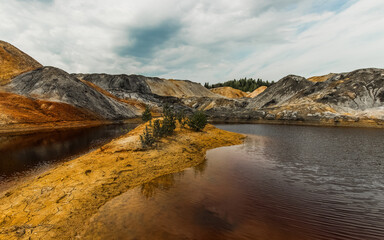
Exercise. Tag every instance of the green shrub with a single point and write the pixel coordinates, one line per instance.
(169, 121)
(147, 139)
(147, 116)
(157, 131)
(180, 116)
(197, 121)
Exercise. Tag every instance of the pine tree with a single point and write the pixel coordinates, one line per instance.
(147, 116)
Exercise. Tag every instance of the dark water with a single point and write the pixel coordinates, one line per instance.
(25, 155)
(284, 182)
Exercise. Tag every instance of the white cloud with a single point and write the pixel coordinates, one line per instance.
(198, 40)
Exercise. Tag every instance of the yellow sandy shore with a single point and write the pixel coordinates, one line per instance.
(57, 204)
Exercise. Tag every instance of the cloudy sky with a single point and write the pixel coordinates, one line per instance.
(213, 40)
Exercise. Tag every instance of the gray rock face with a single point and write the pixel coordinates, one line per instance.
(122, 82)
(54, 84)
(131, 87)
(280, 92)
(179, 88)
(359, 90)
(344, 97)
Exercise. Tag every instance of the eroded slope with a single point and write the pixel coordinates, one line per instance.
(14, 62)
(53, 84)
(229, 92)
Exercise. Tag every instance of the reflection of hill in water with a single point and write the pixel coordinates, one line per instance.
(164, 183)
(282, 183)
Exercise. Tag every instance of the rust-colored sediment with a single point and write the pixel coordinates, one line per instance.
(321, 78)
(229, 92)
(20, 114)
(57, 204)
(14, 62)
(257, 91)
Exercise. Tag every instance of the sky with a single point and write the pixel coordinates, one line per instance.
(203, 41)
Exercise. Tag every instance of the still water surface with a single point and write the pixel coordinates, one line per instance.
(27, 155)
(284, 182)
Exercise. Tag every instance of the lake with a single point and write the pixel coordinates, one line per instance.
(27, 155)
(284, 182)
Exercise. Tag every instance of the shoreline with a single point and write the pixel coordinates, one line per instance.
(24, 129)
(363, 123)
(56, 204)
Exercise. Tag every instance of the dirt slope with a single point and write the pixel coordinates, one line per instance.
(53, 84)
(321, 78)
(14, 62)
(22, 113)
(257, 91)
(229, 92)
(178, 88)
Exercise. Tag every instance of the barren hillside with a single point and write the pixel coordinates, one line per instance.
(257, 91)
(229, 92)
(14, 62)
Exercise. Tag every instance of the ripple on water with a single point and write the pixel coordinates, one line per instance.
(277, 185)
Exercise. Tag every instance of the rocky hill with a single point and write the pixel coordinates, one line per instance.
(47, 94)
(14, 62)
(352, 99)
(178, 88)
(280, 92)
(229, 92)
(53, 84)
(135, 88)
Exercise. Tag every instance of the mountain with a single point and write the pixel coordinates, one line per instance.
(33, 94)
(141, 89)
(352, 99)
(280, 92)
(229, 92)
(178, 88)
(53, 84)
(14, 62)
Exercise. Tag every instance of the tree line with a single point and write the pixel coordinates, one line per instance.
(243, 84)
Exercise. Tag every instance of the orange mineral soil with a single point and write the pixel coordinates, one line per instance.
(14, 62)
(19, 113)
(257, 92)
(229, 92)
(321, 78)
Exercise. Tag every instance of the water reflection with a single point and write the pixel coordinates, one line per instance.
(277, 185)
(23, 155)
(148, 190)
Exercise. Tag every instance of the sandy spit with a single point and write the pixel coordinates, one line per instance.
(58, 203)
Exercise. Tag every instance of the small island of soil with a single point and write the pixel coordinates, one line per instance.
(58, 203)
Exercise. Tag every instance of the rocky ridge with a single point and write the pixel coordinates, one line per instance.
(354, 98)
(53, 84)
(350, 99)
